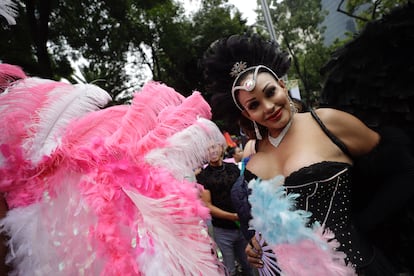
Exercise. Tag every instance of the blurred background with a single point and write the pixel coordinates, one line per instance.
(121, 44)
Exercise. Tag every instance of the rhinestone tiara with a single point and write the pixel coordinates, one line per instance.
(250, 84)
(237, 68)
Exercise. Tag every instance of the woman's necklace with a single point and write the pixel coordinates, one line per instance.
(276, 141)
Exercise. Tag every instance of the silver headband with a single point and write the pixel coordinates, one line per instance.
(250, 84)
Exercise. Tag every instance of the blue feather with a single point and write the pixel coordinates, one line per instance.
(274, 213)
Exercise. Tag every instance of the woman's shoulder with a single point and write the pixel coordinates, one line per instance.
(337, 120)
(349, 129)
(329, 114)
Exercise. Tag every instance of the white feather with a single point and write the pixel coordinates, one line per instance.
(51, 237)
(172, 238)
(18, 90)
(8, 9)
(187, 149)
(64, 106)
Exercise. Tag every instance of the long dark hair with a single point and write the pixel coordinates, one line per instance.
(217, 63)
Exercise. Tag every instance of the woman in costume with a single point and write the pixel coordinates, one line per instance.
(301, 199)
(111, 191)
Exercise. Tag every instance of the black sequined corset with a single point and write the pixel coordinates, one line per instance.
(325, 191)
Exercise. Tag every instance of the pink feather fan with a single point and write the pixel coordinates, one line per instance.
(18, 107)
(36, 113)
(107, 192)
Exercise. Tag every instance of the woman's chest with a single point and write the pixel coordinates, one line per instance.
(271, 164)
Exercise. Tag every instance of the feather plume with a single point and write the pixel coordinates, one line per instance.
(18, 179)
(52, 236)
(186, 150)
(142, 116)
(8, 9)
(173, 237)
(308, 258)
(64, 105)
(9, 74)
(19, 105)
(83, 131)
(129, 216)
(18, 108)
(270, 203)
(173, 119)
(300, 250)
(120, 229)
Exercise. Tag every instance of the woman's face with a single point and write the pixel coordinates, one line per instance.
(268, 103)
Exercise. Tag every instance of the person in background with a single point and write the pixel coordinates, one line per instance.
(236, 153)
(312, 152)
(218, 178)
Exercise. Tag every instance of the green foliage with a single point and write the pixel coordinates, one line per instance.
(213, 21)
(297, 24)
(366, 10)
(50, 35)
(102, 33)
(16, 44)
(168, 37)
(102, 37)
(177, 41)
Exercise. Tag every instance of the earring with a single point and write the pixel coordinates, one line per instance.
(293, 107)
(257, 132)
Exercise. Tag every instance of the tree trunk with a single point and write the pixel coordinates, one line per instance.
(38, 13)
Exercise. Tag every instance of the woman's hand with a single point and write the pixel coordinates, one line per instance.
(254, 253)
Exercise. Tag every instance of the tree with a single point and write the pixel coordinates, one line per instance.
(216, 19)
(101, 37)
(168, 37)
(177, 42)
(367, 10)
(52, 34)
(297, 24)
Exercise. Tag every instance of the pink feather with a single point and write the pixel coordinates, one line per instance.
(134, 218)
(102, 190)
(9, 74)
(19, 106)
(172, 231)
(142, 115)
(64, 104)
(172, 120)
(308, 258)
(84, 131)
